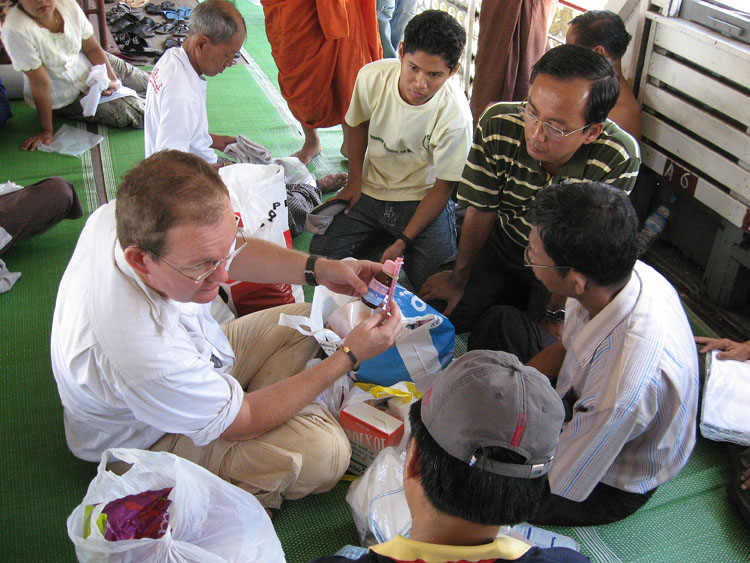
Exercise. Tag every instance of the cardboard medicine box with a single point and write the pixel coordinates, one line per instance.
(369, 430)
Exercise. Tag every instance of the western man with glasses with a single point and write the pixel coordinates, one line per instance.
(560, 133)
(140, 362)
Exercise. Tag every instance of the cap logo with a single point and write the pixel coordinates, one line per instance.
(520, 427)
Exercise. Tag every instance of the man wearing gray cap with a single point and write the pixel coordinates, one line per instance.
(482, 440)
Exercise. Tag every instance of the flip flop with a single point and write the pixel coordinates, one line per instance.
(173, 42)
(184, 12)
(164, 28)
(171, 14)
(153, 9)
(166, 5)
(135, 45)
(181, 29)
(119, 24)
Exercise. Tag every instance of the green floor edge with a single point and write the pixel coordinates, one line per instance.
(688, 518)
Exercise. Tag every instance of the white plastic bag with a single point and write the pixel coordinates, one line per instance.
(71, 141)
(295, 172)
(378, 501)
(725, 398)
(210, 520)
(258, 193)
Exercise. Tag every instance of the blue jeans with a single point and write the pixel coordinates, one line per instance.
(373, 223)
(393, 15)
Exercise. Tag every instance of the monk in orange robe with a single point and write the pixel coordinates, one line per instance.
(319, 46)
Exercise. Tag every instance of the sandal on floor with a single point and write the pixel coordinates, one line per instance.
(120, 23)
(153, 9)
(135, 45)
(173, 42)
(181, 29)
(164, 28)
(184, 12)
(166, 5)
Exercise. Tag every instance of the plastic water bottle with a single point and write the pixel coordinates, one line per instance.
(654, 226)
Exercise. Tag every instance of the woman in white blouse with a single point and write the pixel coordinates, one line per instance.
(52, 42)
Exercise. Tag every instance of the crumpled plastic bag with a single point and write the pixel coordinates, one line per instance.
(378, 501)
(71, 141)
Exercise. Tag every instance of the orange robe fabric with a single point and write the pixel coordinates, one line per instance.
(319, 46)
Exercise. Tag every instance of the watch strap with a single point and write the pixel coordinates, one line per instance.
(407, 241)
(558, 316)
(310, 270)
(346, 350)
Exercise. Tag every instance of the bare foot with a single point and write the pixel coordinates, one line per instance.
(307, 153)
(311, 148)
(332, 182)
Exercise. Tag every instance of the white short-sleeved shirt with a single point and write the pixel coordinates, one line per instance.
(633, 372)
(408, 147)
(30, 46)
(175, 116)
(131, 365)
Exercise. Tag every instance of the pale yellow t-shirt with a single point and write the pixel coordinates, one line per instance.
(408, 147)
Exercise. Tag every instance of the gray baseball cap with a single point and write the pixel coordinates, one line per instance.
(487, 398)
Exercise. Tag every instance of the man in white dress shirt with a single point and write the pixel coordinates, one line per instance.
(626, 367)
(140, 363)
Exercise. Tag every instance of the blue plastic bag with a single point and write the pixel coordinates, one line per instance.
(422, 350)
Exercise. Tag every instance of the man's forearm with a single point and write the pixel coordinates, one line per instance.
(265, 262)
(357, 149)
(549, 361)
(429, 208)
(476, 228)
(267, 408)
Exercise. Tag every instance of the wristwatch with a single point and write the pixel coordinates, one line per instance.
(310, 270)
(557, 316)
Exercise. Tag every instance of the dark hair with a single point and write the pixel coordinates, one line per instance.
(436, 33)
(601, 27)
(219, 20)
(568, 62)
(457, 489)
(167, 189)
(588, 226)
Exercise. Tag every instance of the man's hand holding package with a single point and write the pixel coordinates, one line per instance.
(348, 277)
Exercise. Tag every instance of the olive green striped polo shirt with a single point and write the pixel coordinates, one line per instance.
(500, 174)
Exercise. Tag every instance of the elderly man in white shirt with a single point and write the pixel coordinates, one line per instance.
(139, 362)
(176, 116)
(626, 367)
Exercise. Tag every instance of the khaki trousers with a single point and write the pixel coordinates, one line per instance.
(307, 454)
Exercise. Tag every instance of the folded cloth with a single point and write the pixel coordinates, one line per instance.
(7, 279)
(245, 150)
(300, 200)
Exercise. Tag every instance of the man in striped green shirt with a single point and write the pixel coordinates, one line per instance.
(561, 133)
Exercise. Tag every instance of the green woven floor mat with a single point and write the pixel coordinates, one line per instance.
(42, 481)
(688, 519)
(316, 525)
(24, 167)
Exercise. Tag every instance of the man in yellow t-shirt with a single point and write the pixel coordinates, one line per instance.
(411, 133)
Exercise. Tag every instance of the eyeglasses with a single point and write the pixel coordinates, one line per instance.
(208, 268)
(528, 264)
(554, 133)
